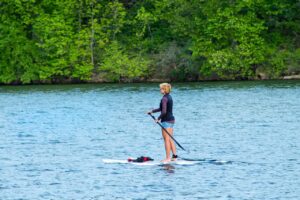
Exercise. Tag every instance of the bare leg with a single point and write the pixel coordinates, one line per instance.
(167, 146)
(173, 147)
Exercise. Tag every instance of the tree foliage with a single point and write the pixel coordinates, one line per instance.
(45, 41)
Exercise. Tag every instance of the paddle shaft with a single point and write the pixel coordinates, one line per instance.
(167, 132)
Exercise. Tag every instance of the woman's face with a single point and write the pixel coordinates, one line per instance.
(162, 91)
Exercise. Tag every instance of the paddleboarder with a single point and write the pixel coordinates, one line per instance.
(167, 120)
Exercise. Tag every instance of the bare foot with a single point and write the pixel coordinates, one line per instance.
(166, 160)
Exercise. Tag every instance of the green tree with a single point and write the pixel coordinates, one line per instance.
(119, 65)
(124, 40)
(19, 56)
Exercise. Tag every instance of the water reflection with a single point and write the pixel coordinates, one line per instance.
(168, 168)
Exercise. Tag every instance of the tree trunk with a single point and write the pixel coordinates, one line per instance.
(92, 35)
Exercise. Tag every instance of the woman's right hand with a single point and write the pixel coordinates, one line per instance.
(149, 112)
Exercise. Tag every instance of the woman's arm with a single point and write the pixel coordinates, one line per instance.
(164, 108)
(155, 110)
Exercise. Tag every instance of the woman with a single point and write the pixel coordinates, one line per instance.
(167, 120)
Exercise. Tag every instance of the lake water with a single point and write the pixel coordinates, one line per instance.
(53, 139)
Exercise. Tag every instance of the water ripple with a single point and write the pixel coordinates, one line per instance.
(245, 136)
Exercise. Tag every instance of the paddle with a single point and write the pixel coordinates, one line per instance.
(167, 132)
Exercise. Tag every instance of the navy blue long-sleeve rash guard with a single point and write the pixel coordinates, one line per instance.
(166, 108)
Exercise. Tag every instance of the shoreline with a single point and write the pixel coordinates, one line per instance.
(71, 82)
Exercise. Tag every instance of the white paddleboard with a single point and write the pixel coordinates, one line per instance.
(179, 161)
(176, 162)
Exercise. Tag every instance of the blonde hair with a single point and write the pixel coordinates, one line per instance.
(166, 87)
